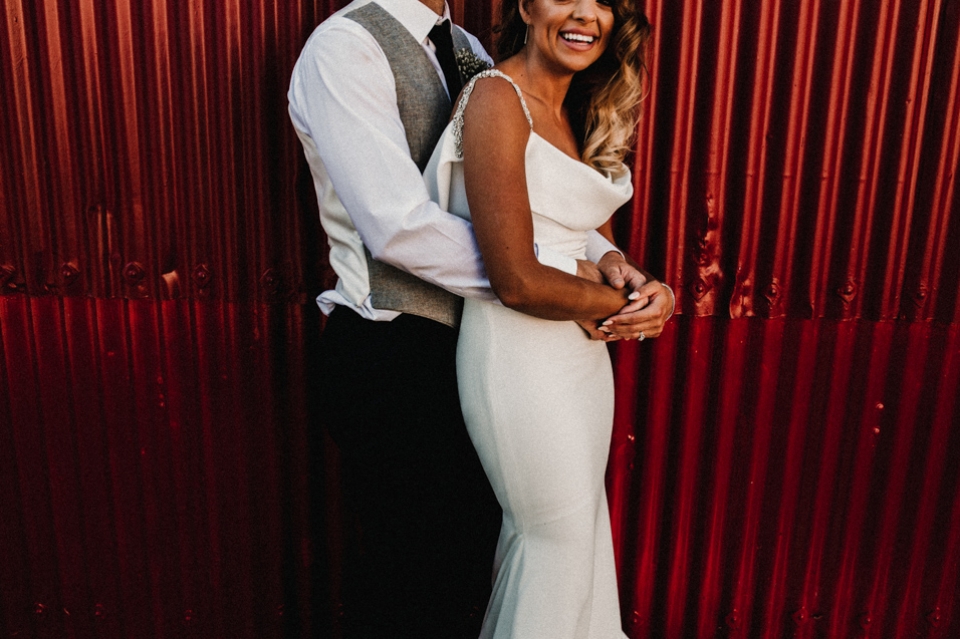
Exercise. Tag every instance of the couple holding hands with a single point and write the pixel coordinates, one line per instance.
(465, 375)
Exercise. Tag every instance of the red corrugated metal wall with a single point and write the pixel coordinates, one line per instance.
(786, 458)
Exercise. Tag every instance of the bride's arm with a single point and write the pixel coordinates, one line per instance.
(495, 136)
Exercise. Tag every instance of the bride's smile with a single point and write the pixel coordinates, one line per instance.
(578, 40)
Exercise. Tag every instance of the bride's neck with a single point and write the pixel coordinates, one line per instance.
(544, 83)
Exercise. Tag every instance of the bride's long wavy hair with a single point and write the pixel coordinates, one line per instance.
(603, 101)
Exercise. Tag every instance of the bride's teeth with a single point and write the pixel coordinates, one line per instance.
(576, 37)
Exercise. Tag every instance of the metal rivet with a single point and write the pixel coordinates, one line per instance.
(800, 617)
(848, 291)
(733, 620)
(699, 289)
(270, 280)
(920, 296)
(772, 292)
(69, 273)
(202, 276)
(133, 272)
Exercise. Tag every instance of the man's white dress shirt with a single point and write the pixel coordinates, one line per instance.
(343, 104)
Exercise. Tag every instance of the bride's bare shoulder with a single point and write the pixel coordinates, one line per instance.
(495, 100)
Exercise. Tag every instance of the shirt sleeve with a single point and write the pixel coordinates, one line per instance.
(598, 246)
(477, 47)
(343, 96)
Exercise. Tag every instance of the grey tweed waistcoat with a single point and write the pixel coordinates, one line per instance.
(424, 110)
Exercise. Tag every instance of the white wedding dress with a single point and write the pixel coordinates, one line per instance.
(537, 397)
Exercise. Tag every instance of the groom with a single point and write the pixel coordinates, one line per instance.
(369, 97)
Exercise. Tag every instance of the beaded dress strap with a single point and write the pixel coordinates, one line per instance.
(467, 90)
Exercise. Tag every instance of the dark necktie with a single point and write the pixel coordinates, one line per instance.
(443, 41)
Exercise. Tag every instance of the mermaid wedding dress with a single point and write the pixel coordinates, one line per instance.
(537, 398)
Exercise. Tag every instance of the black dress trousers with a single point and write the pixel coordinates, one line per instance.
(420, 557)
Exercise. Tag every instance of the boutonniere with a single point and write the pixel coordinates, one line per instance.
(469, 63)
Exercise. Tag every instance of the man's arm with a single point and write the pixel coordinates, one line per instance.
(344, 97)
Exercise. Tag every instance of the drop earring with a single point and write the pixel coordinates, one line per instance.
(526, 34)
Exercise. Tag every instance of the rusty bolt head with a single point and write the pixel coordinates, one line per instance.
(69, 273)
(920, 296)
(800, 617)
(270, 280)
(699, 289)
(202, 276)
(772, 292)
(733, 620)
(133, 273)
(848, 291)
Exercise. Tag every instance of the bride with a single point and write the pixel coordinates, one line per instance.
(536, 148)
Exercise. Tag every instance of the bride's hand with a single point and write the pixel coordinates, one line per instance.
(646, 315)
(590, 327)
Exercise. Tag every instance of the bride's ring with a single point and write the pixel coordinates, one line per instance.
(641, 337)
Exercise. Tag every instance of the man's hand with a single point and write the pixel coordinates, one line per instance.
(590, 271)
(618, 272)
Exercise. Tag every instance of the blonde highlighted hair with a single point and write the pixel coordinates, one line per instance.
(604, 99)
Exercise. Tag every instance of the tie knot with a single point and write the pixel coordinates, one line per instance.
(440, 34)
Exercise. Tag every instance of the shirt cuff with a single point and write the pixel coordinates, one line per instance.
(598, 246)
(559, 261)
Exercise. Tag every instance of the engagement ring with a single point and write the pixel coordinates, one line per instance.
(641, 337)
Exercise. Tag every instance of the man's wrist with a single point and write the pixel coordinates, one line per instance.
(612, 254)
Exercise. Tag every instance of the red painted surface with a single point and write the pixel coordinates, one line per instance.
(786, 457)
